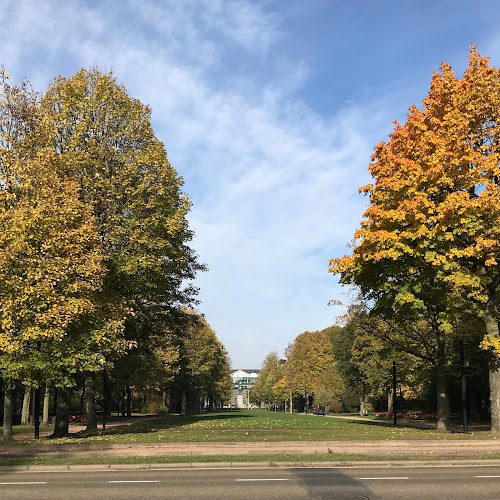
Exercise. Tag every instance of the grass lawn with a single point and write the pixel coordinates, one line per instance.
(251, 425)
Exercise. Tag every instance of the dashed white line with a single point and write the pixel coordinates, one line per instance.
(486, 476)
(264, 479)
(382, 478)
(133, 481)
(26, 482)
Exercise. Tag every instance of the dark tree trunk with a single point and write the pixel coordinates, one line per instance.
(62, 413)
(90, 407)
(491, 324)
(211, 400)
(36, 411)
(123, 402)
(443, 407)
(82, 400)
(183, 403)
(7, 415)
(55, 400)
(129, 401)
(104, 398)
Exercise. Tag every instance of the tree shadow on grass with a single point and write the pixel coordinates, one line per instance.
(167, 422)
(455, 427)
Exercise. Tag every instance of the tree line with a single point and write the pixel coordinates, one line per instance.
(425, 260)
(348, 367)
(96, 267)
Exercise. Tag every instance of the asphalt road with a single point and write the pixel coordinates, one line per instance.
(457, 482)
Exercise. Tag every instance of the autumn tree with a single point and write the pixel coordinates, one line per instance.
(342, 339)
(430, 239)
(50, 255)
(262, 390)
(203, 373)
(122, 171)
(310, 356)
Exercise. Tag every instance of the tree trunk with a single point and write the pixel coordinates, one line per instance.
(36, 411)
(362, 401)
(90, 407)
(291, 401)
(211, 403)
(183, 403)
(82, 399)
(7, 415)
(26, 406)
(62, 413)
(46, 402)
(122, 403)
(129, 401)
(390, 401)
(55, 400)
(443, 408)
(491, 324)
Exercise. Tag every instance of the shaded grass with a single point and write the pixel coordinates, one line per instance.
(26, 429)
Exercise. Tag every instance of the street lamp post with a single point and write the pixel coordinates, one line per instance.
(463, 386)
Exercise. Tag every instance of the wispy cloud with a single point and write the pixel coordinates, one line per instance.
(273, 183)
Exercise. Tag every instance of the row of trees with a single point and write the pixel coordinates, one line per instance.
(95, 262)
(426, 257)
(348, 368)
(193, 373)
(310, 369)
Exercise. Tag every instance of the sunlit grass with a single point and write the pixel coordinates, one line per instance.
(251, 426)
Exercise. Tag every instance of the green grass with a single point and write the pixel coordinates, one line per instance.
(294, 459)
(251, 426)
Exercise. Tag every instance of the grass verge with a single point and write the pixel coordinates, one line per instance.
(277, 459)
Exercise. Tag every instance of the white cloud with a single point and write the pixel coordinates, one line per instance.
(274, 184)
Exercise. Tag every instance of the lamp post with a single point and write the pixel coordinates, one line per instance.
(395, 397)
(464, 364)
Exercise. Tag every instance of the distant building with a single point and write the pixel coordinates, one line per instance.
(243, 381)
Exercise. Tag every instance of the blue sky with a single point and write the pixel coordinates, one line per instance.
(270, 110)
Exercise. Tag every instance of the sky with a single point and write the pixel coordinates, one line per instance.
(269, 110)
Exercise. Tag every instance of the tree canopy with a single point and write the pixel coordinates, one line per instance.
(429, 242)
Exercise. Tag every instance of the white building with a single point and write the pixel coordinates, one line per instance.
(243, 381)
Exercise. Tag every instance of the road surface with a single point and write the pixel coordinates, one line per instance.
(352, 483)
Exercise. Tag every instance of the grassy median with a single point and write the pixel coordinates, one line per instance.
(251, 426)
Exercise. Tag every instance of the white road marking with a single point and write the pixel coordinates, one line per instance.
(263, 479)
(27, 482)
(391, 478)
(486, 476)
(133, 481)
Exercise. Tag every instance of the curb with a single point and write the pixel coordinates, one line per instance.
(246, 465)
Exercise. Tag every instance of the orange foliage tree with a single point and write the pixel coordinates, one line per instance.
(429, 242)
